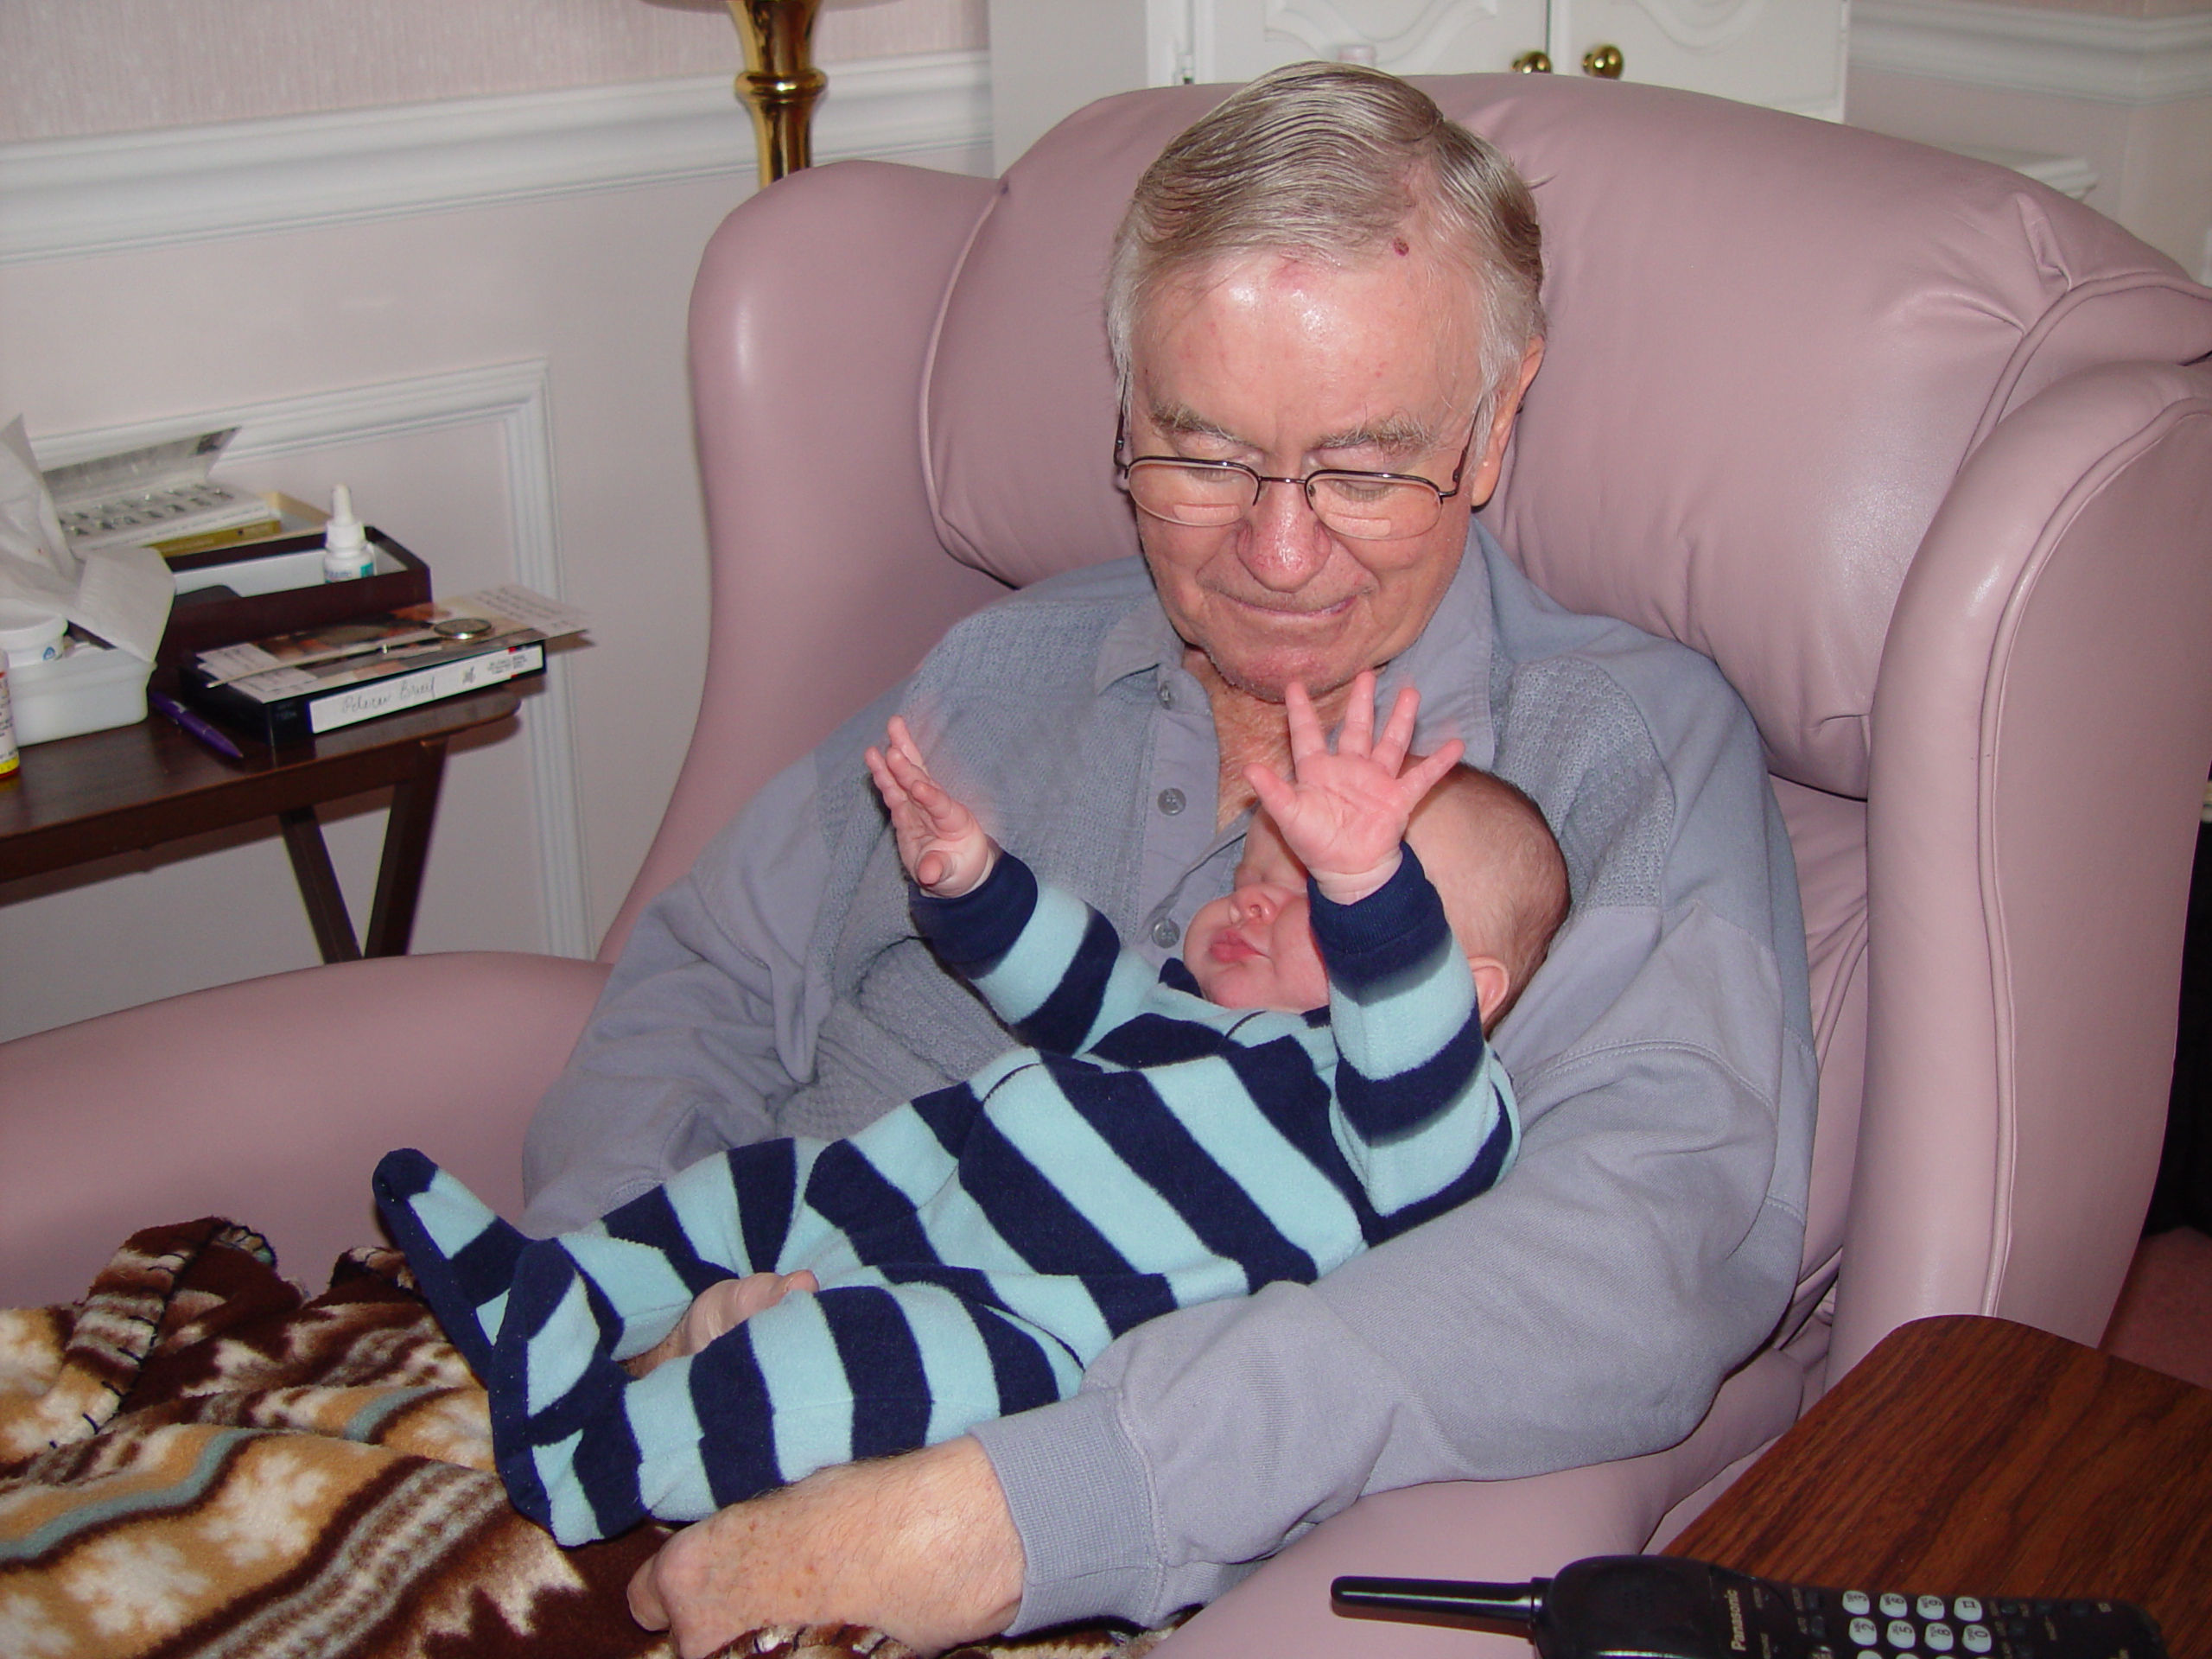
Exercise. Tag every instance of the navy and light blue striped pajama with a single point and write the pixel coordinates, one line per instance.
(977, 1247)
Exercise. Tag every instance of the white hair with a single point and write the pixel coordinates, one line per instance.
(1336, 162)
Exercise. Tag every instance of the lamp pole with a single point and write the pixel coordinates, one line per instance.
(780, 82)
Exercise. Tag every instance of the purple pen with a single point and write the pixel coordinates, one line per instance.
(193, 725)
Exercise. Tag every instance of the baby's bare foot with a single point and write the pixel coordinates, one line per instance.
(720, 1308)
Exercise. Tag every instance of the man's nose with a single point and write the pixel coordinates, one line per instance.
(1286, 546)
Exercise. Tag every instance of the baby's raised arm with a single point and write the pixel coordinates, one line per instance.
(1344, 813)
(941, 844)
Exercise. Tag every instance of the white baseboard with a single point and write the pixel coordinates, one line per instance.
(513, 397)
(2083, 54)
(68, 197)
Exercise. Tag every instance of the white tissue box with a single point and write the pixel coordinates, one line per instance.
(88, 690)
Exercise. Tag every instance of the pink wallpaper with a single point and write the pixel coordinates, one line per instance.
(73, 68)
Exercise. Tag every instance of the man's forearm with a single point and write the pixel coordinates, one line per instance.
(919, 1546)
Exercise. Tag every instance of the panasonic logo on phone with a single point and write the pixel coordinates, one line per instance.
(1735, 1620)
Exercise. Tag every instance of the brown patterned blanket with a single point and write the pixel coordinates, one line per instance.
(199, 1460)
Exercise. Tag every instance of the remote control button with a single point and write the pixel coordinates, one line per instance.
(1966, 1610)
(1856, 1601)
(1894, 1606)
(1975, 1638)
(1862, 1632)
(1901, 1634)
(1938, 1638)
(1929, 1607)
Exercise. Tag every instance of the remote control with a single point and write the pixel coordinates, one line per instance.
(1664, 1607)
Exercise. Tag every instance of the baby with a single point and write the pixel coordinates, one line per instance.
(1311, 1078)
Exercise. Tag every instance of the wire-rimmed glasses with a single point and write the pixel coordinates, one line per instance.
(1208, 494)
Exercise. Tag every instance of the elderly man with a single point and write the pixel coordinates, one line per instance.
(1324, 308)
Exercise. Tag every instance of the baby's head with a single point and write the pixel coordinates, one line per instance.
(1483, 844)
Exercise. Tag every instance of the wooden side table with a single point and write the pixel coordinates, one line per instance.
(1975, 1456)
(80, 799)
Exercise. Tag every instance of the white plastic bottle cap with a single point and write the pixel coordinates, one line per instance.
(31, 633)
(346, 553)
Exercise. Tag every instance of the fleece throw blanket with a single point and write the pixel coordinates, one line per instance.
(199, 1460)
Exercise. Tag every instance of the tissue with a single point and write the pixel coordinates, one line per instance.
(121, 595)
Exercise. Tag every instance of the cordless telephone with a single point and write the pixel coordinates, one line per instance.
(1665, 1607)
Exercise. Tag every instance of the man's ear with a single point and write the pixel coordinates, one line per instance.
(1493, 984)
(1501, 426)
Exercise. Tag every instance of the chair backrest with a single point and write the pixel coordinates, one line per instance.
(1777, 349)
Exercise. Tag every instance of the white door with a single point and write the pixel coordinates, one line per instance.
(1236, 40)
(1051, 57)
(1787, 54)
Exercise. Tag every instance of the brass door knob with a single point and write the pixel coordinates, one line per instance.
(1533, 63)
(1603, 61)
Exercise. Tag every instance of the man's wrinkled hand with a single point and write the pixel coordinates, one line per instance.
(920, 1547)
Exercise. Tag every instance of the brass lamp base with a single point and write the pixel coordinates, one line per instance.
(780, 82)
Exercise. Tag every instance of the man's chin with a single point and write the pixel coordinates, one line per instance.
(1270, 679)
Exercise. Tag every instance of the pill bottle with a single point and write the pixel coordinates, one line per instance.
(31, 633)
(11, 760)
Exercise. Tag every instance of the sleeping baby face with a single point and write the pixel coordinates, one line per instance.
(1255, 949)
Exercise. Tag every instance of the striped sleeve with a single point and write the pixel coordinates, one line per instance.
(1422, 1109)
(1050, 966)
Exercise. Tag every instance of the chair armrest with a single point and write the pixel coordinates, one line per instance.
(269, 1102)
(2042, 727)
(1489, 1529)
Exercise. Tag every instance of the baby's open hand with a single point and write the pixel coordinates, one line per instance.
(1344, 813)
(942, 846)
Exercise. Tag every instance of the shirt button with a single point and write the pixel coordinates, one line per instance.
(1165, 933)
(1167, 695)
(1171, 801)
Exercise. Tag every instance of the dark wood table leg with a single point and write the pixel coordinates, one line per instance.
(406, 849)
(334, 928)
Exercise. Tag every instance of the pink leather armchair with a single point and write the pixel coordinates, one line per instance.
(1908, 445)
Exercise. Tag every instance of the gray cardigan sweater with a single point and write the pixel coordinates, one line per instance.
(1586, 1309)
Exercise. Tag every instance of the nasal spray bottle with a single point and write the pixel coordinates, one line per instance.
(346, 550)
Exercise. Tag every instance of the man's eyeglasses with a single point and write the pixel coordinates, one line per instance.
(1207, 494)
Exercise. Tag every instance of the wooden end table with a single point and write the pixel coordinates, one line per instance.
(1975, 1456)
(131, 787)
